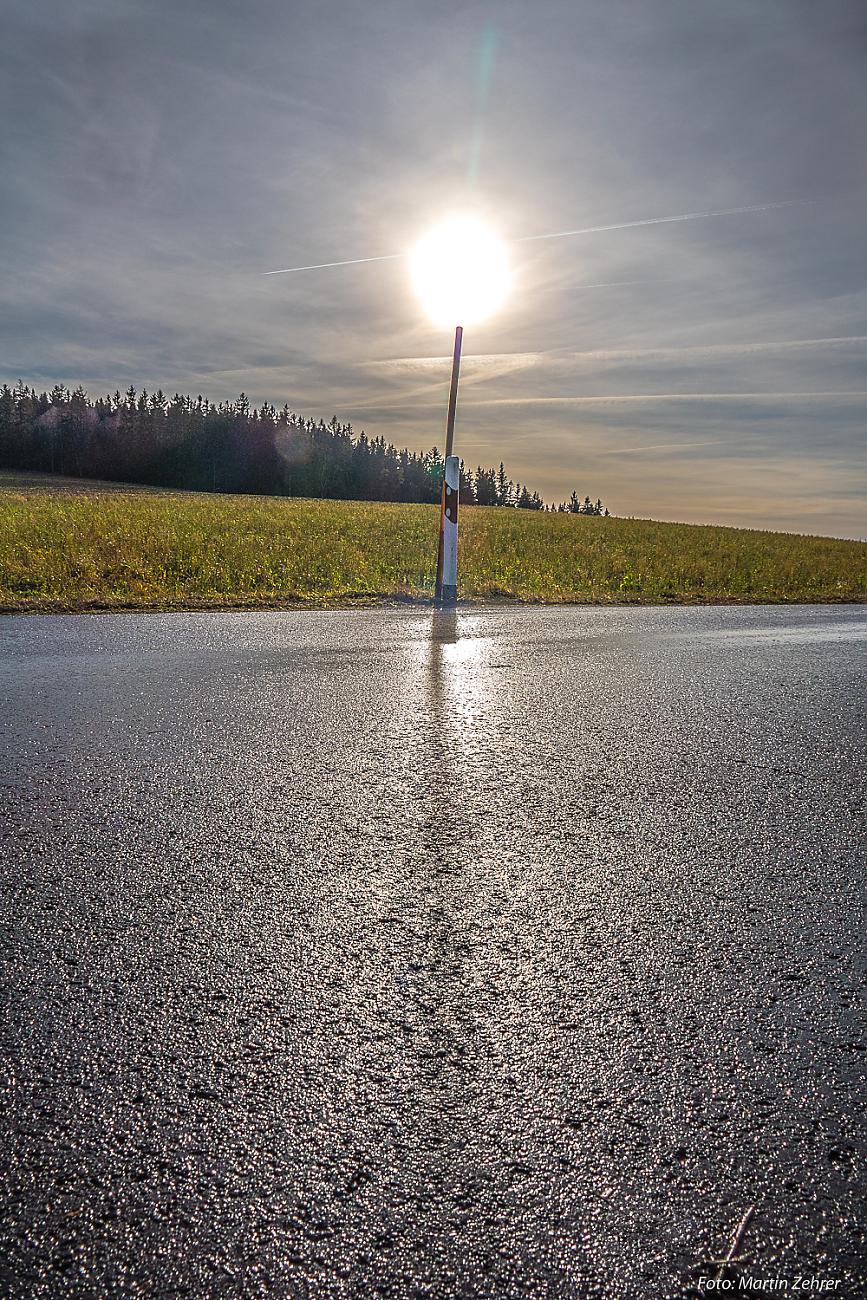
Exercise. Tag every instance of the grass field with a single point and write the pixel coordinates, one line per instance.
(85, 546)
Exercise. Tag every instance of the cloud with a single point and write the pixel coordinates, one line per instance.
(607, 398)
(159, 157)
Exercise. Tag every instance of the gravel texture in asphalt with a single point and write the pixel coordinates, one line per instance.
(384, 953)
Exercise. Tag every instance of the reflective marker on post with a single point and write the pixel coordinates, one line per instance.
(450, 530)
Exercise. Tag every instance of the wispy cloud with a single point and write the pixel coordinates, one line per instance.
(668, 313)
(608, 398)
(595, 355)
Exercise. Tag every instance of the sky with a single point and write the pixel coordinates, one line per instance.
(160, 155)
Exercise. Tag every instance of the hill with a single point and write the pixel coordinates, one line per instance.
(68, 545)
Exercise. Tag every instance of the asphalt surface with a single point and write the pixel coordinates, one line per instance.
(350, 954)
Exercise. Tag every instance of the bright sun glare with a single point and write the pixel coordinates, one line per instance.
(460, 272)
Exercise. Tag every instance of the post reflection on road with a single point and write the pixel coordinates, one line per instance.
(434, 978)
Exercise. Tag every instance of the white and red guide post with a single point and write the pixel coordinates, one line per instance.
(450, 530)
(447, 569)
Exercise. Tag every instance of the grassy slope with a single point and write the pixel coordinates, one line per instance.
(89, 549)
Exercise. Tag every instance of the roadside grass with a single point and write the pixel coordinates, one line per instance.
(79, 550)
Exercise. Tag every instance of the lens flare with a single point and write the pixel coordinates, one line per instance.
(460, 272)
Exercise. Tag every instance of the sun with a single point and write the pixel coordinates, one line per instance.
(460, 272)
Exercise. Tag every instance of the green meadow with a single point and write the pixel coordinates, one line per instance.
(90, 549)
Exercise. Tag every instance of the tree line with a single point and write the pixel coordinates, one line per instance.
(186, 442)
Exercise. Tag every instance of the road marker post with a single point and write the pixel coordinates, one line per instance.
(450, 440)
(451, 496)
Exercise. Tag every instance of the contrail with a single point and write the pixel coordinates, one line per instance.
(659, 446)
(662, 221)
(564, 234)
(321, 266)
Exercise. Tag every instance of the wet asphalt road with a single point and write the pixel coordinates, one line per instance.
(349, 956)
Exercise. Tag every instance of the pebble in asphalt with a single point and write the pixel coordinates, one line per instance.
(384, 953)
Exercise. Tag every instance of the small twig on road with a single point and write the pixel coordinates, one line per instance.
(736, 1241)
